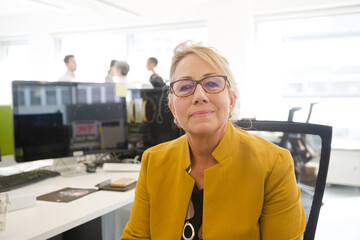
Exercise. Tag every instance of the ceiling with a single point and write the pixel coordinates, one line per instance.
(16, 7)
(73, 15)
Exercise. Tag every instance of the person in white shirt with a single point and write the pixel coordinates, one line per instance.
(121, 70)
(70, 64)
(111, 72)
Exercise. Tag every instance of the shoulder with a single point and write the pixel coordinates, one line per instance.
(254, 142)
(66, 77)
(262, 152)
(161, 152)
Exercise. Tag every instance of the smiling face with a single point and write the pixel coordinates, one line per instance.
(201, 114)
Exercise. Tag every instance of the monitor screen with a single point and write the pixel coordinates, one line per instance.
(57, 119)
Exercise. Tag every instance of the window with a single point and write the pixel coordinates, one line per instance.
(66, 97)
(110, 94)
(159, 44)
(14, 65)
(96, 95)
(35, 96)
(94, 51)
(311, 59)
(81, 96)
(50, 96)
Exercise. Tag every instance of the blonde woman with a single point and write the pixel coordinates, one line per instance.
(216, 181)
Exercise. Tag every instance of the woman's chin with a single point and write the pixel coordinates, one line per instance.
(203, 129)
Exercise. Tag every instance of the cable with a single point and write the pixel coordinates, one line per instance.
(159, 117)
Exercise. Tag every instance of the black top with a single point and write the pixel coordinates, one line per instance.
(156, 81)
(196, 220)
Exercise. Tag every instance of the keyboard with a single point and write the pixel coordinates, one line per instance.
(17, 180)
(121, 167)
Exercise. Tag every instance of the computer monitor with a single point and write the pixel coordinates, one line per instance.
(61, 119)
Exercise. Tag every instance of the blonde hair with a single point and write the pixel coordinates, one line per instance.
(209, 55)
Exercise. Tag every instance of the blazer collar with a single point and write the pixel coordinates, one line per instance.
(222, 151)
(226, 147)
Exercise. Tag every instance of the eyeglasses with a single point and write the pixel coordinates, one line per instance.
(211, 84)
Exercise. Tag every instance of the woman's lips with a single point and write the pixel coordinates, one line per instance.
(201, 113)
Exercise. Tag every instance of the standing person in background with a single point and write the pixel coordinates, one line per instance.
(121, 70)
(155, 78)
(111, 72)
(70, 64)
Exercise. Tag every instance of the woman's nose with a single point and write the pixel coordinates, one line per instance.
(200, 95)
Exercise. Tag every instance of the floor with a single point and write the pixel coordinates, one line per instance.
(340, 215)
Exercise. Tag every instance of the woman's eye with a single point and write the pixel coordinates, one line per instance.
(212, 84)
(185, 88)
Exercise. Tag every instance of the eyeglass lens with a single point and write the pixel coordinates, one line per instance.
(212, 84)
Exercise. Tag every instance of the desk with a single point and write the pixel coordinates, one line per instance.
(48, 219)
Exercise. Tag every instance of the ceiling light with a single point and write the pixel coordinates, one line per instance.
(47, 4)
(112, 5)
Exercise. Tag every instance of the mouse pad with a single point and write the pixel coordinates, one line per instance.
(66, 194)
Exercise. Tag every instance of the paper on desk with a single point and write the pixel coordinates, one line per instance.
(120, 89)
(24, 167)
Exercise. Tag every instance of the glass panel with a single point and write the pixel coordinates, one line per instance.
(110, 94)
(13, 54)
(50, 96)
(35, 96)
(19, 98)
(66, 97)
(309, 60)
(81, 98)
(96, 95)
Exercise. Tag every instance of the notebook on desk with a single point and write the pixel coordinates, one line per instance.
(121, 189)
(107, 185)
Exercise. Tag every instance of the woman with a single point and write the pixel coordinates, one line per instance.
(216, 181)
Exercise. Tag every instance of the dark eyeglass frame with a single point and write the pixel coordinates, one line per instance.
(198, 82)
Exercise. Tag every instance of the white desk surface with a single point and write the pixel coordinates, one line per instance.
(48, 219)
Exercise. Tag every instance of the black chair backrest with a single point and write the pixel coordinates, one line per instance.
(299, 138)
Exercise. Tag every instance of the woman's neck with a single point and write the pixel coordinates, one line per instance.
(201, 148)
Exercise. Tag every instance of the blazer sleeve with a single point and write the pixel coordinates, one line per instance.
(283, 215)
(138, 226)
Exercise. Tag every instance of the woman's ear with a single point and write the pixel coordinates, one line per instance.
(233, 98)
(171, 106)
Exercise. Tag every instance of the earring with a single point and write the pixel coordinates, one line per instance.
(230, 115)
(176, 122)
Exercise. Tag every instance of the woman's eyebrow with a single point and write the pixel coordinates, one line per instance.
(189, 77)
(208, 74)
(185, 78)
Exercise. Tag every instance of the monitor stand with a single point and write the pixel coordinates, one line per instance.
(68, 166)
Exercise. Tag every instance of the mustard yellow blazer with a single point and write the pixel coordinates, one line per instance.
(250, 194)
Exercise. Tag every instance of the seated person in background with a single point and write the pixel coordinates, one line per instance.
(70, 64)
(121, 70)
(155, 79)
(111, 72)
(216, 181)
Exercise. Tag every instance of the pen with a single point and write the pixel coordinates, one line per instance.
(104, 183)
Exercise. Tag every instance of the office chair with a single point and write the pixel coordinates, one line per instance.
(303, 140)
